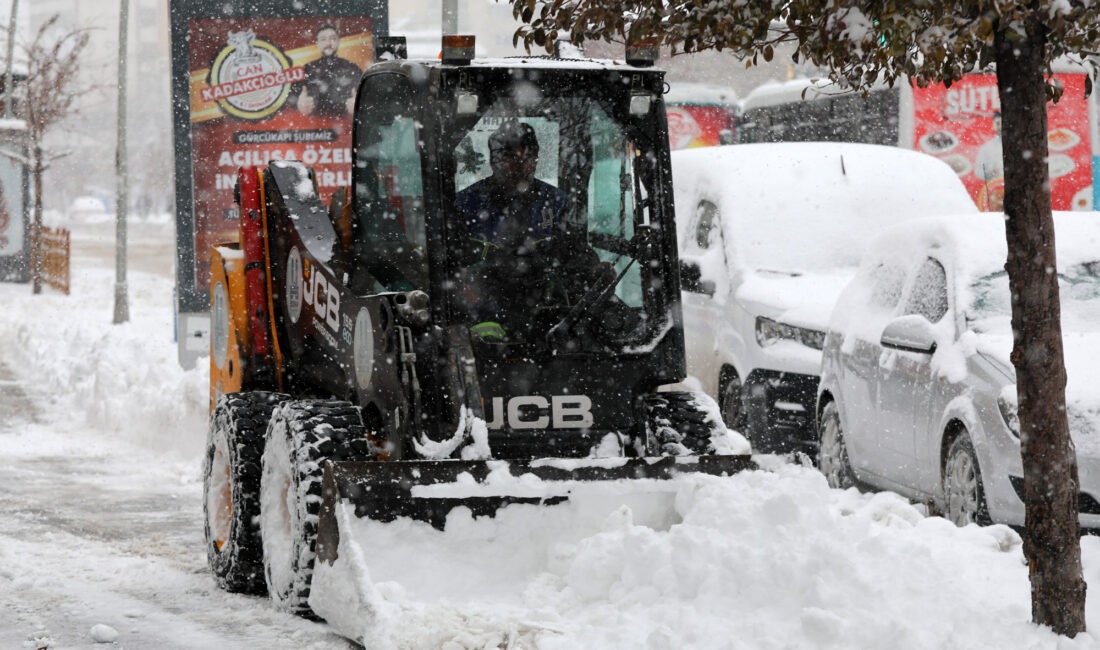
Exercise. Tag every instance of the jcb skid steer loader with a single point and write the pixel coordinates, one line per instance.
(362, 372)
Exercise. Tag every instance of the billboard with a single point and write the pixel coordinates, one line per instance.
(699, 125)
(14, 204)
(962, 126)
(256, 81)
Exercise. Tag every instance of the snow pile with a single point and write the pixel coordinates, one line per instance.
(765, 559)
(123, 380)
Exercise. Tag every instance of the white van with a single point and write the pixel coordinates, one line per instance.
(769, 234)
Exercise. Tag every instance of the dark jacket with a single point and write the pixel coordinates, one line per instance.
(330, 81)
(484, 207)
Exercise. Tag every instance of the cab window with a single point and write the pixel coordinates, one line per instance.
(389, 235)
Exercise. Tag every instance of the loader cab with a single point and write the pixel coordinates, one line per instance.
(564, 294)
(602, 171)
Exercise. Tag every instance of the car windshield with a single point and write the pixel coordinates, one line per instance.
(1079, 289)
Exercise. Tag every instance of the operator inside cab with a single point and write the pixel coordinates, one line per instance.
(512, 207)
(521, 256)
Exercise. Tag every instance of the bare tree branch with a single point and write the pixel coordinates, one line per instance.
(49, 96)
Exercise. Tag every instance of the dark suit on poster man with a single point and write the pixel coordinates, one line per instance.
(329, 88)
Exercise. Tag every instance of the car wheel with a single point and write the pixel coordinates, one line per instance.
(963, 492)
(832, 457)
(729, 400)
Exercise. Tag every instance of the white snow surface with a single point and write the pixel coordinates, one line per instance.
(765, 559)
(810, 206)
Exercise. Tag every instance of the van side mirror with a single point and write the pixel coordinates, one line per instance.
(910, 333)
(691, 279)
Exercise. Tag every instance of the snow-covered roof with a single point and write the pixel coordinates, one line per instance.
(804, 88)
(978, 244)
(812, 206)
(546, 62)
(776, 92)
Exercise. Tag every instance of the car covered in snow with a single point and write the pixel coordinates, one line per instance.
(87, 208)
(917, 392)
(769, 234)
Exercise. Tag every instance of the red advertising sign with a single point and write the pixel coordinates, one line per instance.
(697, 125)
(961, 126)
(264, 89)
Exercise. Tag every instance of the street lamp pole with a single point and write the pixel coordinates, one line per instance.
(122, 309)
(9, 74)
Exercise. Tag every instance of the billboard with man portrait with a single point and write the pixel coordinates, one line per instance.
(256, 81)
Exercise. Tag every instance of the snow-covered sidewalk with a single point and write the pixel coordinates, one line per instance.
(101, 499)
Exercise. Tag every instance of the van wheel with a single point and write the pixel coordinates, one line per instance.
(730, 401)
(963, 492)
(832, 457)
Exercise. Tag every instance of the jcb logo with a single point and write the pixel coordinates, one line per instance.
(537, 412)
(324, 296)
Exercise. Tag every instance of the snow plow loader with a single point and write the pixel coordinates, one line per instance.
(405, 373)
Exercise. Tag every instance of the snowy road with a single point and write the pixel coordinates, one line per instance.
(93, 539)
(98, 531)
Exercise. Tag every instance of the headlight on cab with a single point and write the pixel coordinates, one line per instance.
(770, 332)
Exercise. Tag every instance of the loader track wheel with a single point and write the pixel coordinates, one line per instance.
(231, 490)
(677, 424)
(302, 435)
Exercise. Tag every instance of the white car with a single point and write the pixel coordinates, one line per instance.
(769, 234)
(917, 392)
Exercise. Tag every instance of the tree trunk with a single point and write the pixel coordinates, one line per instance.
(1051, 536)
(36, 223)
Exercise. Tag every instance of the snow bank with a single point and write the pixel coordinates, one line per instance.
(767, 559)
(122, 380)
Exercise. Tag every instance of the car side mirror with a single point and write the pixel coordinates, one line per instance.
(691, 279)
(911, 333)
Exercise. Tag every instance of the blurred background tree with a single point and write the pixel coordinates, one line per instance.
(49, 95)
